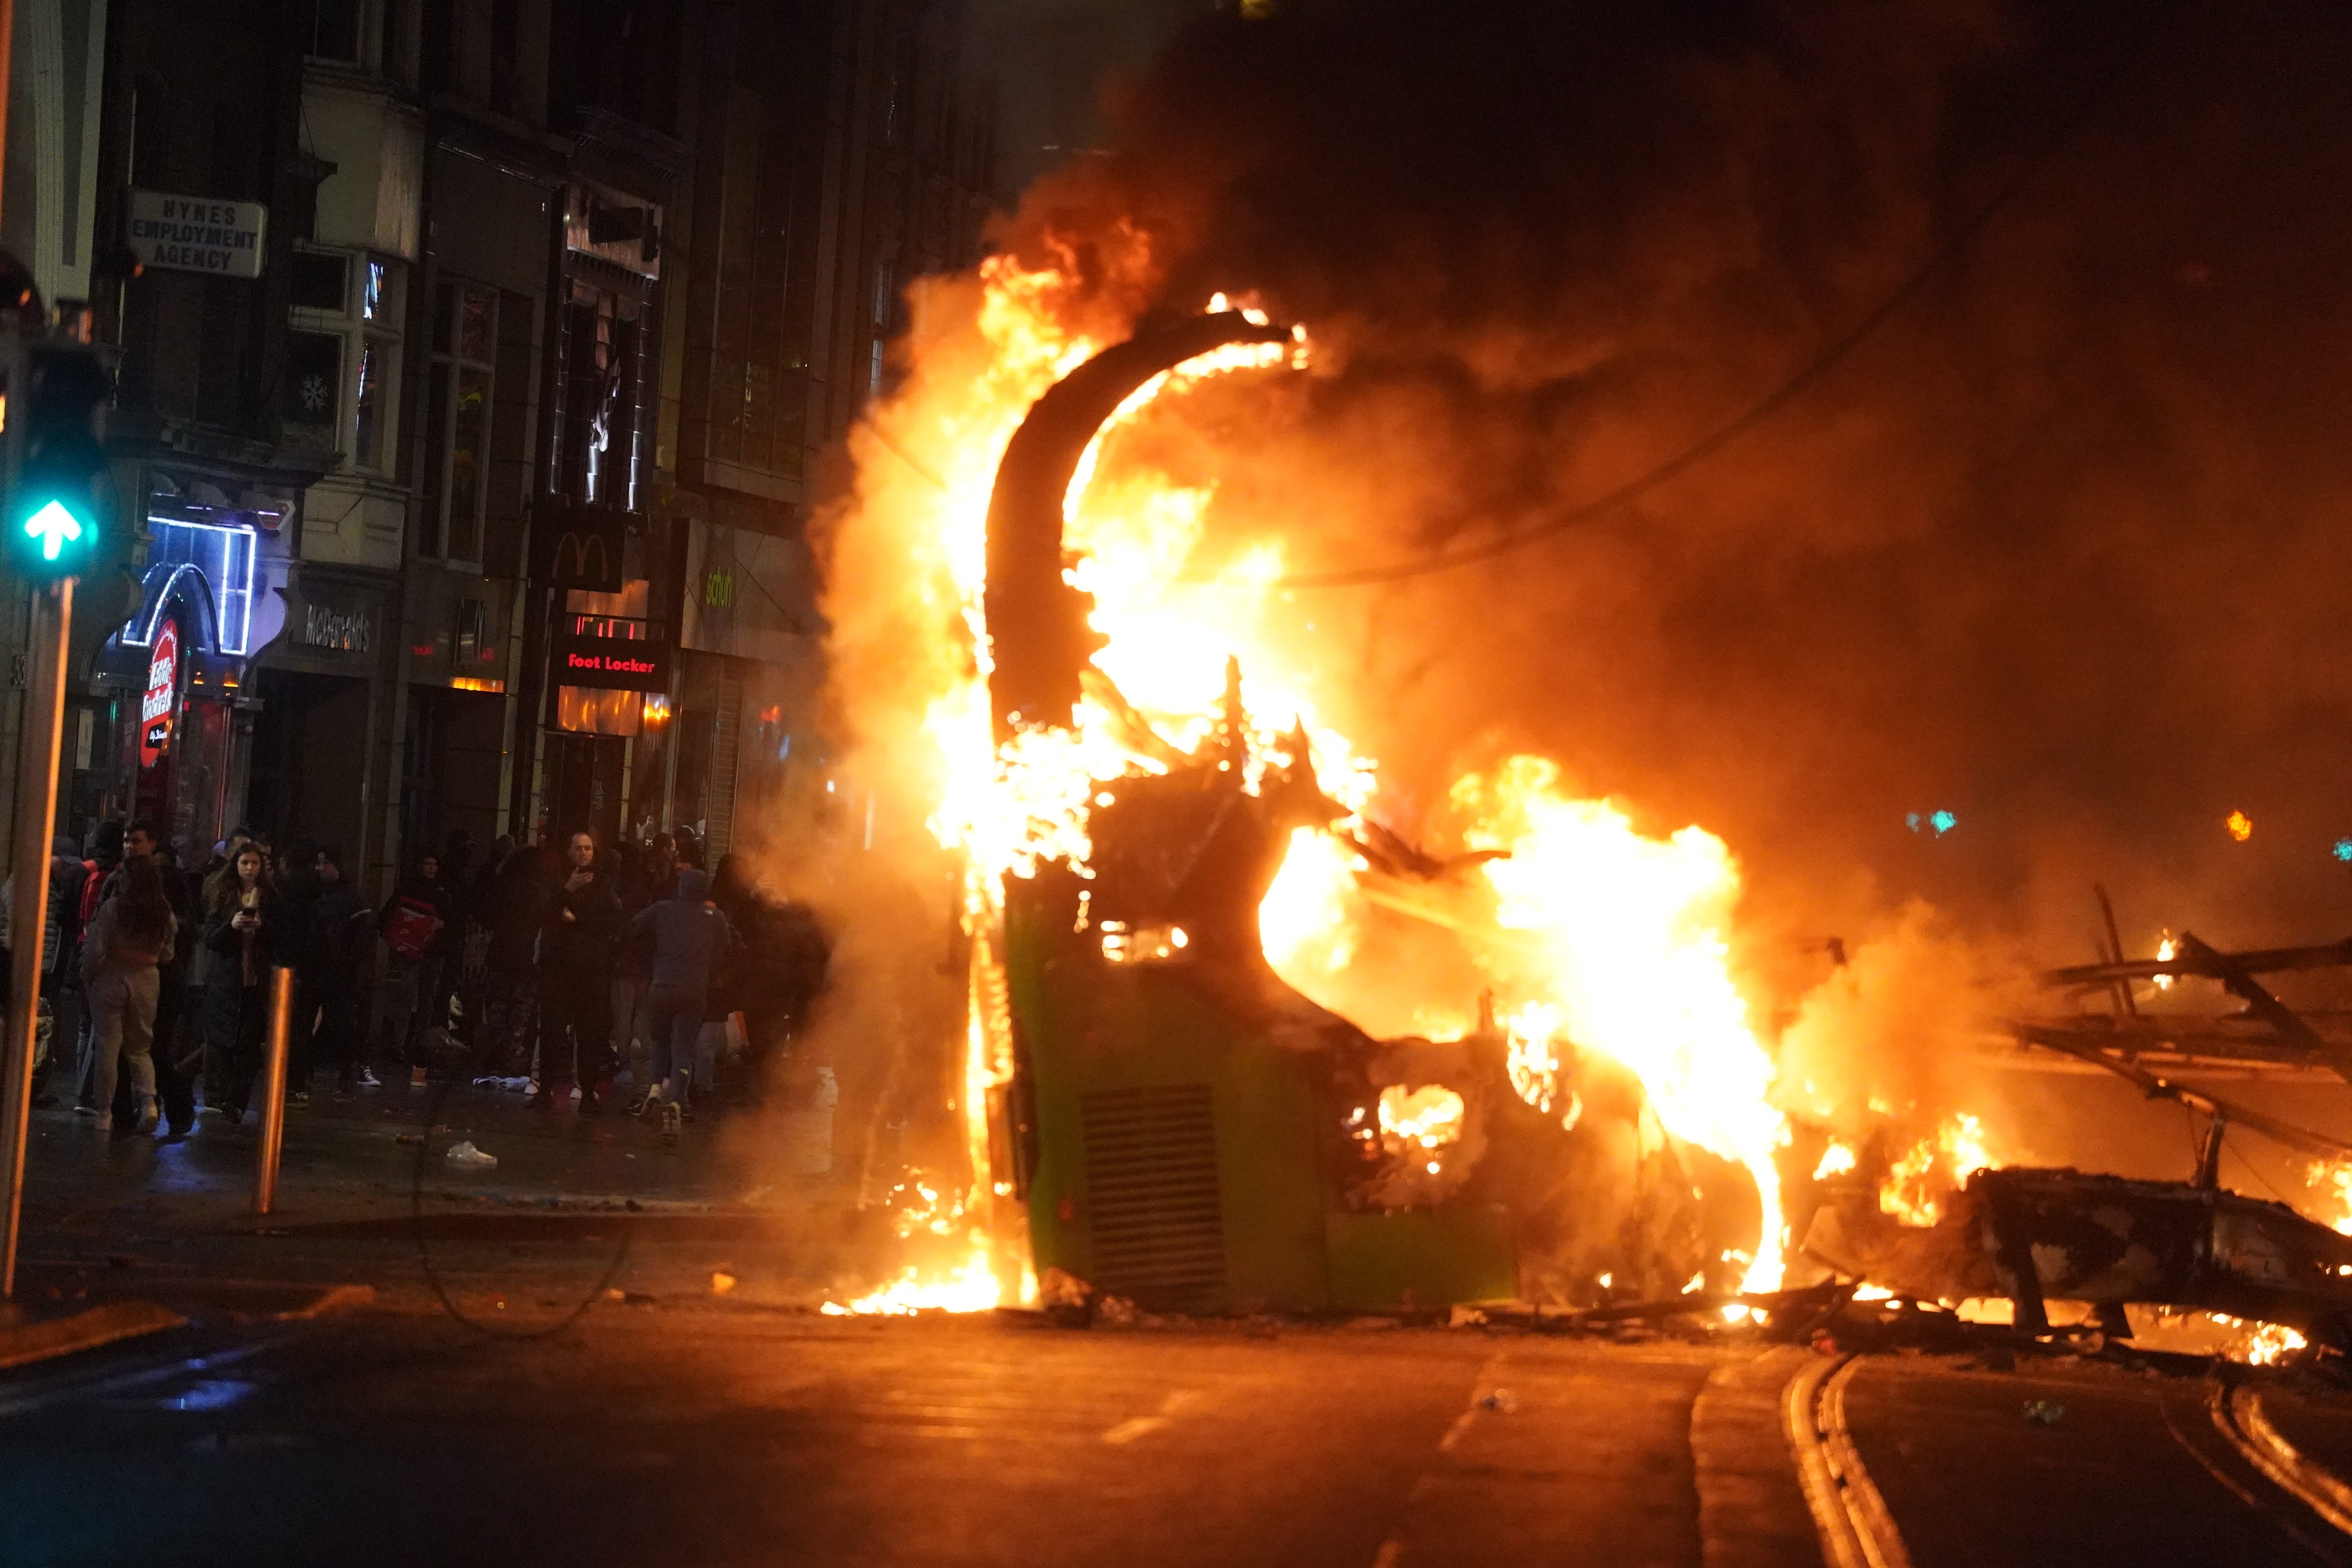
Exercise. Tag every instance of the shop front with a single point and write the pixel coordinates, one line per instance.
(605, 753)
(163, 728)
(456, 724)
(323, 712)
(749, 677)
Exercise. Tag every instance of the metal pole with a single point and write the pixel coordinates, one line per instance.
(273, 1088)
(37, 811)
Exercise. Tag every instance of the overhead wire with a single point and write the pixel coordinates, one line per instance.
(1827, 358)
(1811, 373)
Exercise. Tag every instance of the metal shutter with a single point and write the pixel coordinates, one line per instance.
(725, 746)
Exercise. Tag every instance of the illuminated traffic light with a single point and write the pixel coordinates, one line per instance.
(56, 456)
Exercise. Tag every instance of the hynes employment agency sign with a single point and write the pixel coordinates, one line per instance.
(223, 239)
(616, 663)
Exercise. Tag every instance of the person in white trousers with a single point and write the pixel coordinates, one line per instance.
(131, 933)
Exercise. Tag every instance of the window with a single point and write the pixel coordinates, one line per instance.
(310, 393)
(602, 354)
(316, 282)
(335, 30)
(457, 419)
(342, 359)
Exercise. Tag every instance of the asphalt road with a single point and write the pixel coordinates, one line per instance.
(675, 1434)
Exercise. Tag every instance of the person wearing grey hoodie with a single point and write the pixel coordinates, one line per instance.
(688, 937)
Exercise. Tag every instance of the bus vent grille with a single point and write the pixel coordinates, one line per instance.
(1157, 1228)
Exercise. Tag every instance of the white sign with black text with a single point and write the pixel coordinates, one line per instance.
(194, 235)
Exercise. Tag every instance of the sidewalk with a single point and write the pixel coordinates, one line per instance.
(169, 1219)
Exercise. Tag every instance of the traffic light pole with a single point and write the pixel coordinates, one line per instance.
(37, 811)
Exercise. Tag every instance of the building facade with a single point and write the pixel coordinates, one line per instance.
(550, 311)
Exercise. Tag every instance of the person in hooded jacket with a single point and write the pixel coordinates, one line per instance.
(520, 902)
(415, 922)
(691, 939)
(632, 962)
(336, 943)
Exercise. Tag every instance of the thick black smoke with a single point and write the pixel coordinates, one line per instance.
(2059, 549)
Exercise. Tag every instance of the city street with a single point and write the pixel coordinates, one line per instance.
(689, 1432)
(1175, 784)
(608, 1352)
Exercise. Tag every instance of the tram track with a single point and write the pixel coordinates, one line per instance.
(2238, 1415)
(1856, 1529)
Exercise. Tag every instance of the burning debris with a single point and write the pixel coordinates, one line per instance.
(1181, 1125)
(1179, 905)
(2273, 1279)
(1175, 880)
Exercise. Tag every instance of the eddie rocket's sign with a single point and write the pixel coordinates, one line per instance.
(160, 705)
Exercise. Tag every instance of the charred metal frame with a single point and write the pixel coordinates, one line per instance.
(1038, 637)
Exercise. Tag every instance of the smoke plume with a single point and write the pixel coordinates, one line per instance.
(2053, 551)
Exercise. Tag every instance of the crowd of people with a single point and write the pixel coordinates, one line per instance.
(573, 965)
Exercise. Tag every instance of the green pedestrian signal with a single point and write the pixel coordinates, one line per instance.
(56, 457)
(53, 526)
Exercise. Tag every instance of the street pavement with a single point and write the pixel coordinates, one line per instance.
(607, 1351)
(697, 1431)
(366, 1194)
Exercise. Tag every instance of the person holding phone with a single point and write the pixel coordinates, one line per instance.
(246, 930)
(575, 980)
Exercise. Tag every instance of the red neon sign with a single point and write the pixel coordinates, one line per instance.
(159, 709)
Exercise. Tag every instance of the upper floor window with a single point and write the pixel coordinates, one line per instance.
(603, 355)
(457, 420)
(336, 28)
(342, 355)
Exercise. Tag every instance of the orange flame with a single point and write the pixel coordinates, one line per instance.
(1614, 941)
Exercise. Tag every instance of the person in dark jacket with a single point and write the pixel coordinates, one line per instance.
(179, 1039)
(776, 972)
(296, 876)
(690, 939)
(420, 949)
(247, 928)
(335, 947)
(67, 871)
(516, 905)
(575, 979)
(105, 861)
(456, 857)
(632, 961)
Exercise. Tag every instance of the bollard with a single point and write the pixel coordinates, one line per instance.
(273, 1088)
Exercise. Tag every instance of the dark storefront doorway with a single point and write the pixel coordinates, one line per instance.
(454, 773)
(584, 775)
(310, 757)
